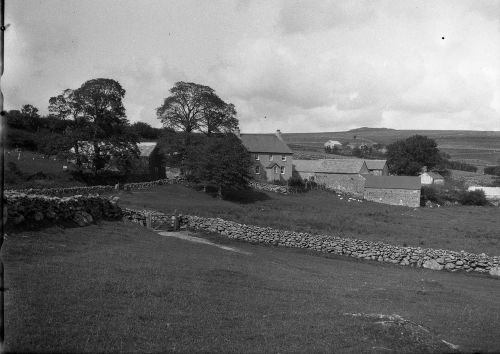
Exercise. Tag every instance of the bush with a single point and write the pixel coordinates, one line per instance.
(476, 197)
(459, 165)
(492, 170)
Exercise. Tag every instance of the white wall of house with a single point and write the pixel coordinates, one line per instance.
(490, 192)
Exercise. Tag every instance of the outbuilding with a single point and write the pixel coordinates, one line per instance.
(428, 178)
(377, 167)
(393, 190)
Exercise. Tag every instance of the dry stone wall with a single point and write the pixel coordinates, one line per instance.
(403, 197)
(436, 259)
(268, 187)
(28, 210)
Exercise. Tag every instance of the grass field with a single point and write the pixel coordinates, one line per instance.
(121, 288)
(460, 144)
(473, 229)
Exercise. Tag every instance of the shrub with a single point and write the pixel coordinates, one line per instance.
(476, 197)
(459, 165)
(492, 170)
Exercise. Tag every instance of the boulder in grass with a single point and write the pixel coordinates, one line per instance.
(495, 271)
(82, 218)
(432, 264)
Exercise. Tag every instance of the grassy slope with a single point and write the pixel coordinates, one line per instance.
(123, 288)
(473, 229)
(461, 145)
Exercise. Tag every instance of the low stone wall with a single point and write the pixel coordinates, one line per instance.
(268, 187)
(28, 210)
(86, 190)
(401, 197)
(436, 259)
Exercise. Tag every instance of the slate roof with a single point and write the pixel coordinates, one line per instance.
(392, 182)
(375, 164)
(264, 143)
(344, 166)
(146, 148)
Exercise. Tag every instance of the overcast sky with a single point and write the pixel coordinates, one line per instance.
(298, 66)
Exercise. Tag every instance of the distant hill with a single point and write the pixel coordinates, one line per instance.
(480, 148)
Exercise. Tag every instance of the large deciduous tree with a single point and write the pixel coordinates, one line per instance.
(220, 160)
(408, 157)
(99, 119)
(192, 107)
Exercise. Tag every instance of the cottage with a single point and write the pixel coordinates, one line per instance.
(150, 161)
(394, 190)
(428, 178)
(377, 167)
(271, 156)
(343, 175)
(332, 143)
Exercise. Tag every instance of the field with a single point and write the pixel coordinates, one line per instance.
(479, 148)
(473, 229)
(115, 287)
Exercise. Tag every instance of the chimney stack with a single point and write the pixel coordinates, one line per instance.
(278, 134)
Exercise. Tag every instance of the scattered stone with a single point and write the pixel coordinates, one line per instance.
(432, 264)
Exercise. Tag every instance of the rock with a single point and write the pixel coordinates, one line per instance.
(449, 266)
(495, 271)
(432, 264)
(83, 218)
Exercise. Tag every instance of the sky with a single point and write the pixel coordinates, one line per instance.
(293, 65)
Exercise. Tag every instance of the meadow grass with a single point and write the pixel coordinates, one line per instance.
(468, 228)
(115, 287)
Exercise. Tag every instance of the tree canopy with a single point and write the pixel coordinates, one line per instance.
(408, 157)
(192, 107)
(220, 160)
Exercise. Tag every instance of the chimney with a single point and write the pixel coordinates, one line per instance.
(278, 134)
(237, 132)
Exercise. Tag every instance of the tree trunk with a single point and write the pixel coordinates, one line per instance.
(219, 192)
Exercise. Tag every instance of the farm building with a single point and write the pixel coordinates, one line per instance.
(332, 143)
(149, 161)
(491, 193)
(394, 190)
(271, 156)
(428, 178)
(377, 167)
(343, 175)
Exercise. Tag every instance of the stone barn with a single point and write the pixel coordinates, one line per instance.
(393, 190)
(429, 178)
(377, 167)
(342, 175)
(150, 161)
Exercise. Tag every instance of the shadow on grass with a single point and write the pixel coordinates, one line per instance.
(246, 196)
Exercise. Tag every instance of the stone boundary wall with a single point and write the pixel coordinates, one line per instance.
(58, 192)
(27, 210)
(436, 259)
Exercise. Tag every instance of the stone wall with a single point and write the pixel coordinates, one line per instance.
(345, 183)
(401, 197)
(268, 187)
(86, 190)
(31, 210)
(436, 259)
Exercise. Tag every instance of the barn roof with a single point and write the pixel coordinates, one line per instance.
(330, 165)
(375, 164)
(146, 148)
(264, 143)
(392, 182)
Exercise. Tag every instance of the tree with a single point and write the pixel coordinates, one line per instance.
(192, 107)
(219, 160)
(30, 111)
(144, 131)
(98, 115)
(407, 157)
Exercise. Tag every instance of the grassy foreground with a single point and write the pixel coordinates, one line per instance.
(116, 287)
(473, 229)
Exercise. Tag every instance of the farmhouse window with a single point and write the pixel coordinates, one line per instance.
(270, 157)
(276, 169)
(257, 157)
(283, 157)
(282, 170)
(257, 170)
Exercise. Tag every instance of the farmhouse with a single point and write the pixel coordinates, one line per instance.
(377, 167)
(394, 190)
(332, 143)
(343, 175)
(271, 156)
(428, 178)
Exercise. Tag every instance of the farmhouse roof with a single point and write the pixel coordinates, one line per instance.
(330, 165)
(392, 182)
(146, 148)
(264, 143)
(434, 175)
(375, 164)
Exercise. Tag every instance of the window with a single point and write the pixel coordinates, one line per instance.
(276, 169)
(283, 157)
(270, 157)
(257, 157)
(257, 170)
(282, 170)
